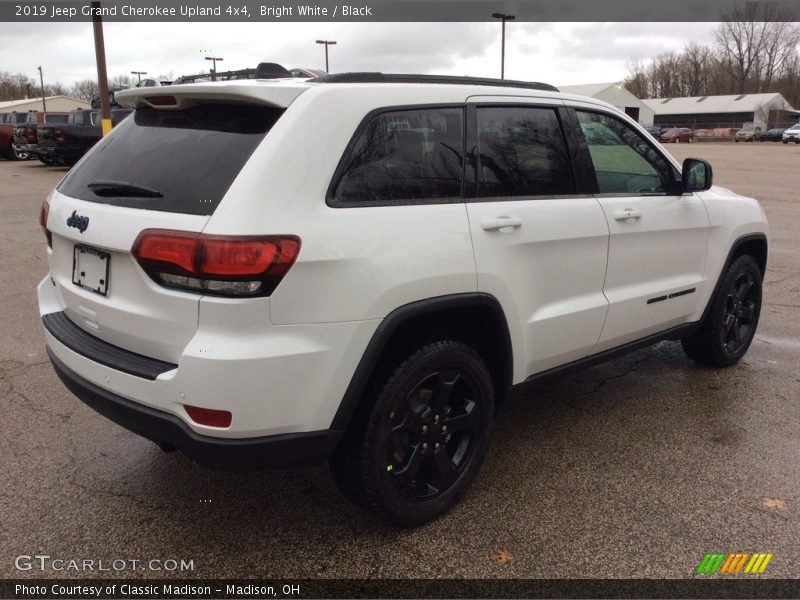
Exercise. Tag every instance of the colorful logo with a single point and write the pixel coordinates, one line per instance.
(734, 564)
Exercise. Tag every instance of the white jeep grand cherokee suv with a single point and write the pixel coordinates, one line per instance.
(269, 273)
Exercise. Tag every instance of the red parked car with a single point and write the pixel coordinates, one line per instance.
(8, 121)
(677, 134)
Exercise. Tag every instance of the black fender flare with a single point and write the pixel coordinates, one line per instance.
(392, 322)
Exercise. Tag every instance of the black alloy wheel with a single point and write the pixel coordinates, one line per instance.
(420, 435)
(727, 331)
(433, 431)
(738, 322)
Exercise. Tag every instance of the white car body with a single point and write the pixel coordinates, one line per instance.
(792, 134)
(572, 278)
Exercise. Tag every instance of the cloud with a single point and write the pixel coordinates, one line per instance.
(555, 52)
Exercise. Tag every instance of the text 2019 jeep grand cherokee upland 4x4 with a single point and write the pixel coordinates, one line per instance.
(268, 273)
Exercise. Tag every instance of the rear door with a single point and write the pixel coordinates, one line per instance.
(540, 245)
(157, 170)
(659, 236)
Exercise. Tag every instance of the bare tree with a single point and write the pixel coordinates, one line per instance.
(84, 90)
(637, 81)
(755, 41)
(56, 89)
(14, 86)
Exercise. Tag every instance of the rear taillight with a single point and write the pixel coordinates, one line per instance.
(58, 136)
(239, 266)
(44, 212)
(30, 134)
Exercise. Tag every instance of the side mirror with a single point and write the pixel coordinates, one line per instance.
(696, 175)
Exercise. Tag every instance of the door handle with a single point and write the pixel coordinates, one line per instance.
(501, 224)
(627, 213)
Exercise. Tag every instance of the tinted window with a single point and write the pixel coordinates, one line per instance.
(624, 162)
(521, 152)
(18, 118)
(190, 156)
(56, 118)
(404, 155)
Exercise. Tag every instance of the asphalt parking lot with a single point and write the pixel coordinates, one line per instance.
(631, 469)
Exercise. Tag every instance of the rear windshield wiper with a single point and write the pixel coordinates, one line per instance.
(123, 188)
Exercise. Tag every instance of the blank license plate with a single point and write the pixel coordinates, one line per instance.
(90, 269)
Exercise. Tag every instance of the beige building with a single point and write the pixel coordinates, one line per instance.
(617, 95)
(54, 103)
(732, 111)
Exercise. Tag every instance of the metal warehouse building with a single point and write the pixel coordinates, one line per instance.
(617, 95)
(733, 111)
(54, 103)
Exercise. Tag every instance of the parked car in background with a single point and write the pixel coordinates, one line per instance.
(771, 135)
(303, 73)
(66, 144)
(747, 134)
(654, 131)
(677, 135)
(792, 134)
(112, 90)
(153, 83)
(8, 122)
(26, 140)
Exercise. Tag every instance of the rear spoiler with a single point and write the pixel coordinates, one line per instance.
(274, 93)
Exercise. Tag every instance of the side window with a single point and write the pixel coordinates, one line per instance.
(624, 161)
(522, 152)
(404, 155)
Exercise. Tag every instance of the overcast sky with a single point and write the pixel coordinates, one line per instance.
(557, 53)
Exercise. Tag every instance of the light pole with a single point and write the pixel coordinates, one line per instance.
(503, 18)
(139, 74)
(41, 80)
(327, 43)
(214, 59)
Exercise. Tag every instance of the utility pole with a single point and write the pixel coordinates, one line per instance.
(41, 80)
(503, 18)
(327, 43)
(139, 74)
(102, 75)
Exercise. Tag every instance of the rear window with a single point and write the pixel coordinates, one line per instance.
(174, 161)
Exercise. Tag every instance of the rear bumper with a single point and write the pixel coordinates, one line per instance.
(60, 152)
(29, 148)
(233, 454)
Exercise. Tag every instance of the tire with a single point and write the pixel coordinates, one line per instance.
(785, 141)
(728, 330)
(46, 160)
(17, 155)
(735, 140)
(411, 455)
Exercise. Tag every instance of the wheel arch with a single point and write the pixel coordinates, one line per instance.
(754, 244)
(474, 318)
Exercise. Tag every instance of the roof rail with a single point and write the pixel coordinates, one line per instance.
(447, 79)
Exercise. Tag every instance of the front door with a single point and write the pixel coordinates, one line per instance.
(658, 235)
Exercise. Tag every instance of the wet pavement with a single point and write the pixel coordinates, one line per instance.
(635, 468)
